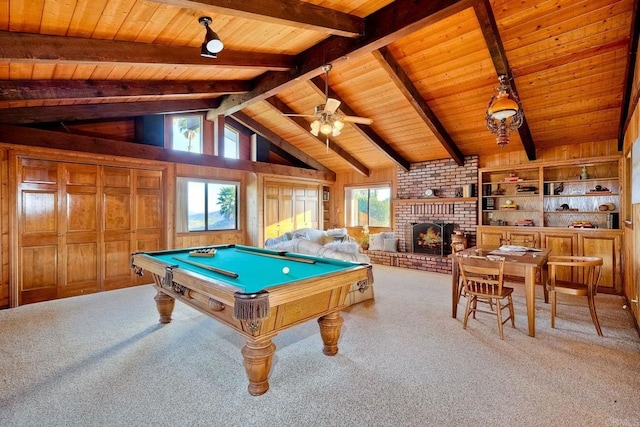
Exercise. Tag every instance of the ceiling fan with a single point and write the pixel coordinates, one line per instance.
(328, 120)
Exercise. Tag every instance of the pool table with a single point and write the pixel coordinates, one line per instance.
(258, 292)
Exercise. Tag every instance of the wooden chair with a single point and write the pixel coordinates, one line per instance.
(455, 248)
(483, 279)
(583, 274)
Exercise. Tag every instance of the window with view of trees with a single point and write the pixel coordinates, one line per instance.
(368, 206)
(206, 205)
(186, 133)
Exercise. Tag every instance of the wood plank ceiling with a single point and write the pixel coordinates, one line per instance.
(422, 70)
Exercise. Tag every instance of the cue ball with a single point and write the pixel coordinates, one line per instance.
(285, 270)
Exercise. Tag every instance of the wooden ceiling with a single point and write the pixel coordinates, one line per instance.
(423, 70)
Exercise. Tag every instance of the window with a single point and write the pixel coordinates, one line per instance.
(186, 133)
(206, 205)
(231, 143)
(368, 206)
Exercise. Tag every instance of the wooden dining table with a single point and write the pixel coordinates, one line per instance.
(525, 265)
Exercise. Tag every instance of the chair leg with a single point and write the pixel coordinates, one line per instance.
(513, 320)
(552, 298)
(499, 313)
(475, 306)
(594, 315)
(466, 312)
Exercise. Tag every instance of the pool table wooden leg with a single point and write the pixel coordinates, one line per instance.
(330, 328)
(164, 304)
(257, 362)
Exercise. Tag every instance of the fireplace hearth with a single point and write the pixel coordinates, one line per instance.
(430, 237)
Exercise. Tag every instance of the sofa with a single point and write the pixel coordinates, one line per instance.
(334, 243)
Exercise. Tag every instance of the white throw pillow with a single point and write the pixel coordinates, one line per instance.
(390, 245)
(376, 242)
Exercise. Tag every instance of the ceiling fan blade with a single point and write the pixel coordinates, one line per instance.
(331, 105)
(299, 115)
(359, 120)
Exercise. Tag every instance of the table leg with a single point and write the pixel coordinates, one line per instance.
(455, 278)
(257, 363)
(164, 304)
(330, 328)
(530, 294)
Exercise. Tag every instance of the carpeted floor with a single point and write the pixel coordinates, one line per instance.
(103, 359)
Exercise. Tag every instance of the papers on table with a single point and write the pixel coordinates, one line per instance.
(516, 248)
(513, 250)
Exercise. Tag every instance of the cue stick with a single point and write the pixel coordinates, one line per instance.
(290, 258)
(208, 267)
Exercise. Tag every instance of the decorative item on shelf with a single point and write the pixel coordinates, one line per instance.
(565, 207)
(468, 190)
(581, 224)
(512, 178)
(526, 189)
(430, 192)
(599, 189)
(508, 206)
(497, 222)
(488, 203)
(607, 207)
(584, 174)
(525, 223)
(504, 112)
(498, 191)
(559, 189)
(458, 192)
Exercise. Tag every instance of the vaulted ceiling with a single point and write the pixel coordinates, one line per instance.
(423, 70)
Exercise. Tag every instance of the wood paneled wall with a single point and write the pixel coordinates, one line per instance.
(4, 229)
(561, 152)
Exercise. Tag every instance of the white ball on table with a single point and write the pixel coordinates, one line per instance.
(285, 270)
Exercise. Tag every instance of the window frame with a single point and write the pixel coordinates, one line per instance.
(348, 214)
(182, 204)
(236, 132)
(173, 118)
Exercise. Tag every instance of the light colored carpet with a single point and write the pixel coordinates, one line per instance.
(103, 359)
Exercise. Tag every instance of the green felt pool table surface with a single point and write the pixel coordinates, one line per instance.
(257, 269)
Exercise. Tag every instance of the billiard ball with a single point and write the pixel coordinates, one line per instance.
(285, 270)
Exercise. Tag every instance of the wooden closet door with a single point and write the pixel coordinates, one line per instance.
(148, 213)
(117, 227)
(79, 242)
(39, 230)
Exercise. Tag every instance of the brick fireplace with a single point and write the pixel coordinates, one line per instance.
(430, 237)
(412, 207)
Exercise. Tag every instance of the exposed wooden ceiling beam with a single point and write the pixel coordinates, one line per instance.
(293, 13)
(410, 92)
(366, 131)
(491, 36)
(70, 113)
(22, 47)
(628, 83)
(102, 146)
(276, 140)
(283, 108)
(392, 22)
(16, 90)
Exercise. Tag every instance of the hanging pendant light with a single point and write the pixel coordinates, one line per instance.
(504, 112)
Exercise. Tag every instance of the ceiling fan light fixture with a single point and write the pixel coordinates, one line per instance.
(338, 125)
(315, 128)
(212, 43)
(504, 112)
(326, 128)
